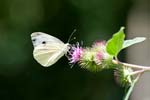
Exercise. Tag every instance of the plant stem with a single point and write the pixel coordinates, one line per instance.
(137, 72)
(145, 68)
(131, 88)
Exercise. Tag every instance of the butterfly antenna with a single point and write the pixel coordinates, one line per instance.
(72, 39)
(71, 35)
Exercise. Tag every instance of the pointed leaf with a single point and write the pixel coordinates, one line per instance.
(115, 44)
(128, 43)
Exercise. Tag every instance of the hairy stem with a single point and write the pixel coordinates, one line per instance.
(145, 68)
(131, 88)
(137, 72)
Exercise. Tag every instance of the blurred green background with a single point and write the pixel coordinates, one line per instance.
(22, 78)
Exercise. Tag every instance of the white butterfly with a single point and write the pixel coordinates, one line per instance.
(47, 49)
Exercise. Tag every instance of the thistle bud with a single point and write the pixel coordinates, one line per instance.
(123, 76)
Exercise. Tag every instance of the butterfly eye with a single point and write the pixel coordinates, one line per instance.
(44, 42)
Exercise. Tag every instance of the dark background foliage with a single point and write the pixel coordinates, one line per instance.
(22, 78)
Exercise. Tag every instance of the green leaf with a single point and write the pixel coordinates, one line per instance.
(128, 43)
(115, 44)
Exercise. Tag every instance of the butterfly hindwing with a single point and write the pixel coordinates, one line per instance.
(49, 54)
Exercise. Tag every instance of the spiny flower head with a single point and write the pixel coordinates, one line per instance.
(89, 60)
(75, 53)
(95, 58)
(123, 76)
(100, 46)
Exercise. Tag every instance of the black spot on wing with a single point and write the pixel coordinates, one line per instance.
(33, 40)
(44, 42)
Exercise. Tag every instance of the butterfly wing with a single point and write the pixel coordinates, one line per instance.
(50, 54)
(47, 49)
(39, 38)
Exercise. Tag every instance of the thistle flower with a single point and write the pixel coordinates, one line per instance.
(123, 76)
(75, 53)
(100, 46)
(98, 57)
(88, 60)
(95, 58)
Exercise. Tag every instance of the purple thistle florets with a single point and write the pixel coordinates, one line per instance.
(75, 53)
(99, 47)
(93, 58)
(98, 57)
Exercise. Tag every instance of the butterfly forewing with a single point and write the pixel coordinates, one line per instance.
(39, 38)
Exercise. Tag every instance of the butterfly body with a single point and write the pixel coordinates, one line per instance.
(47, 49)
